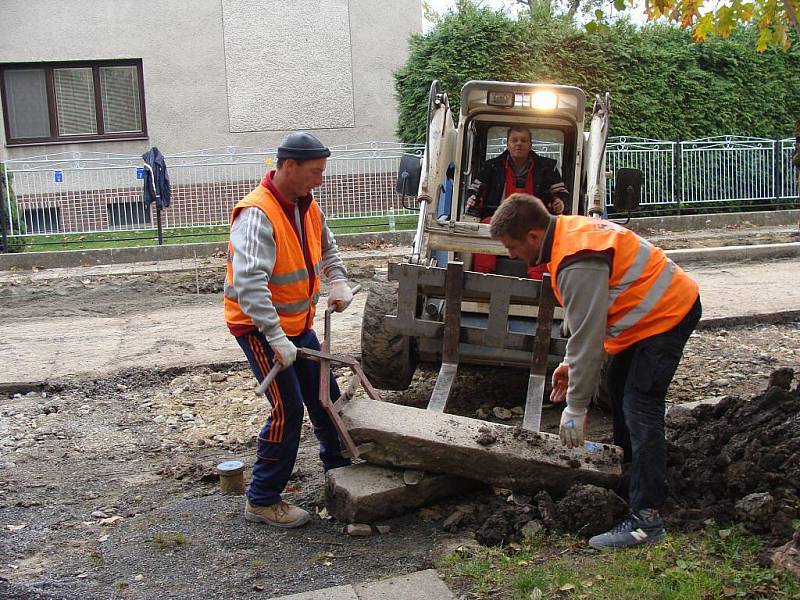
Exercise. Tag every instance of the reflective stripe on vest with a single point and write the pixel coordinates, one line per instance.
(293, 295)
(294, 276)
(648, 293)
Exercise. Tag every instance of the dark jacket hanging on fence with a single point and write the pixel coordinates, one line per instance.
(156, 180)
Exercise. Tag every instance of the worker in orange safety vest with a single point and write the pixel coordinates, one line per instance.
(624, 297)
(279, 246)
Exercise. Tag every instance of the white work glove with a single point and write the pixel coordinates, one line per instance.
(560, 382)
(285, 351)
(340, 295)
(572, 430)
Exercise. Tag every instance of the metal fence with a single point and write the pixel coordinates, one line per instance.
(91, 192)
(94, 192)
(714, 170)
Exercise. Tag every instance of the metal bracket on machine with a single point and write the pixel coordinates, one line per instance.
(457, 285)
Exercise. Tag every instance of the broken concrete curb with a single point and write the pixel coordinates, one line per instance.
(366, 493)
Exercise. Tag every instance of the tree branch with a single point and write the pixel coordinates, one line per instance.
(787, 5)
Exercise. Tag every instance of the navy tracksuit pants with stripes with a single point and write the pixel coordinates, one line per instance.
(279, 439)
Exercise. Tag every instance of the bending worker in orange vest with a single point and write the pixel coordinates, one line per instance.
(621, 294)
(279, 245)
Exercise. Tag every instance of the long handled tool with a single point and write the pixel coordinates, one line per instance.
(324, 357)
(325, 380)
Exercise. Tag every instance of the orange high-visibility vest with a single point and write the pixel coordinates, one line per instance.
(294, 291)
(648, 294)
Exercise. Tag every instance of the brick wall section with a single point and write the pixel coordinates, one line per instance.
(206, 204)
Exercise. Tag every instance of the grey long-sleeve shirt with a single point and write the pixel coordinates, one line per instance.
(584, 288)
(253, 241)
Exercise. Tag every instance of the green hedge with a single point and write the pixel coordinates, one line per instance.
(662, 84)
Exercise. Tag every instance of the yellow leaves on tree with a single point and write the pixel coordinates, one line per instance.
(774, 18)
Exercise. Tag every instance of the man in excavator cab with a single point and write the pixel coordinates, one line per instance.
(517, 170)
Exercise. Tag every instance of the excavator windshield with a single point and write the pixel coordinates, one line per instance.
(486, 140)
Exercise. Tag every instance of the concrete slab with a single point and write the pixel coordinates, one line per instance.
(367, 493)
(422, 585)
(646, 225)
(760, 252)
(341, 592)
(510, 457)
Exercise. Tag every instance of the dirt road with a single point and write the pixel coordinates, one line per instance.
(88, 324)
(106, 476)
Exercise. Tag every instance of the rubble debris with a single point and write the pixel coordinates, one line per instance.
(734, 462)
(738, 461)
(787, 557)
(358, 530)
(486, 436)
(547, 510)
(589, 510)
(781, 378)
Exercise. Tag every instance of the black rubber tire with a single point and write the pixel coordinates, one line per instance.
(388, 358)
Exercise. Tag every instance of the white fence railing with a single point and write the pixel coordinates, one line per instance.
(93, 192)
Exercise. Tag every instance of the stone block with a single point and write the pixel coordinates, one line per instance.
(366, 493)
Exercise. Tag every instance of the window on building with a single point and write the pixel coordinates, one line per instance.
(43, 219)
(128, 215)
(70, 102)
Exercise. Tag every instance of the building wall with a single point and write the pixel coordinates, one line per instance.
(230, 72)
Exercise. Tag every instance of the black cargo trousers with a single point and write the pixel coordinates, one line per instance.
(638, 378)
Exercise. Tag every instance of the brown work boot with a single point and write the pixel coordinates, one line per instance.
(281, 514)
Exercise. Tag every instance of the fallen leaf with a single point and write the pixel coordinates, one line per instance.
(567, 587)
(16, 527)
(293, 489)
(102, 538)
(728, 591)
(81, 575)
(536, 594)
(110, 520)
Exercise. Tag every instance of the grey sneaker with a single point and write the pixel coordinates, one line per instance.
(641, 528)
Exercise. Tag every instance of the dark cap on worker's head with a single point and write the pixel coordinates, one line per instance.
(302, 146)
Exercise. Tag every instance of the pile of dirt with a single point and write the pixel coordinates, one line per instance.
(738, 461)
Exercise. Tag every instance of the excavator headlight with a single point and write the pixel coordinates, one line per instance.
(544, 100)
(504, 99)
